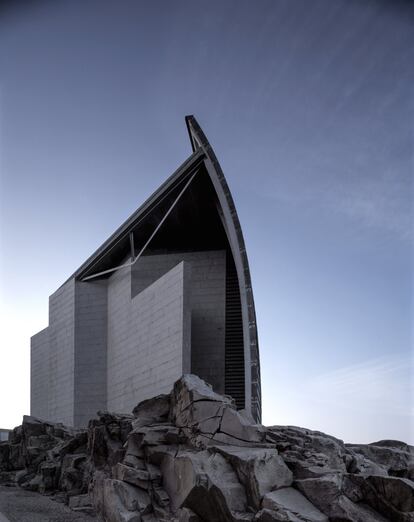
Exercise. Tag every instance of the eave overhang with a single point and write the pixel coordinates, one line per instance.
(184, 172)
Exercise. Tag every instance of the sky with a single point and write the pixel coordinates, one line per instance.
(310, 109)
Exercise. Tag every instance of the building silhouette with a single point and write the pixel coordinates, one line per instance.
(168, 293)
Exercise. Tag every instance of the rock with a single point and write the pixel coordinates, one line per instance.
(268, 515)
(197, 409)
(161, 496)
(150, 435)
(234, 428)
(336, 496)
(397, 458)
(190, 389)
(136, 477)
(289, 502)
(398, 492)
(16, 435)
(96, 491)
(107, 436)
(76, 444)
(81, 503)
(49, 472)
(393, 497)
(358, 464)
(4, 456)
(309, 453)
(72, 474)
(192, 457)
(260, 470)
(34, 427)
(34, 484)
(150, 411)
(17, 458)
(133, 461)
(204, 483)
(206, 417)
(23, 476)
(117, 501)
(186, 515)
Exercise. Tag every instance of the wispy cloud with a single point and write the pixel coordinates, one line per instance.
(371, 189)
(384, 202)
(384, 384)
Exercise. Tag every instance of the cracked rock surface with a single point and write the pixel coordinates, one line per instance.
(190, 456)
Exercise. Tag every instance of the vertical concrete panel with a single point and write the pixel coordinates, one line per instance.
(90, 350)
(39, 375)
(207, 300)
(146, 335)
(61, 354)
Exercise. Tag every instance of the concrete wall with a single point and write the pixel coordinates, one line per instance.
(39, 375)
(90, 350)
(68, 359)
(52, 360)
(113, 343)
(208, 301)
(148, 337)
(61, 354)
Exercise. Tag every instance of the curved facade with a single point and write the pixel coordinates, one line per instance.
(168, 293)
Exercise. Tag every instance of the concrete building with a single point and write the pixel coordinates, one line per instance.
(4, 434)
(168, 293)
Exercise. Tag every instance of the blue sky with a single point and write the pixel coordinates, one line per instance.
(309, 106)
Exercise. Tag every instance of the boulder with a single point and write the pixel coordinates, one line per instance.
(16, 457)
(338, 497)
(49, 472)
(289, 503)
(396, 457)
(76, 444)
(32, 426)
(150, 411)
(107, 436)
(309, 453)
(268, 515)
(197, 409)
(358, 464)
(186, 515)
(206, 417)
(205, 483)
(82, 503)
(235, 428)
(117, 501)
(398, 492)
(393, 497)
(136, 477)
(260, 470)
(72, 475)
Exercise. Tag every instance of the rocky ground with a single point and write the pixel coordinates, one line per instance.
(191, 457)
(20, 505)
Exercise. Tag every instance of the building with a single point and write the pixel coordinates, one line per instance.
(168, 293)
(4, 434)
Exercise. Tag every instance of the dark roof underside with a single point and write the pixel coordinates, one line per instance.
(142, 222)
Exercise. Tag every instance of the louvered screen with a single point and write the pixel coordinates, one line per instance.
(234, 357)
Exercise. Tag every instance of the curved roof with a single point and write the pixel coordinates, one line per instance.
(236, 240)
